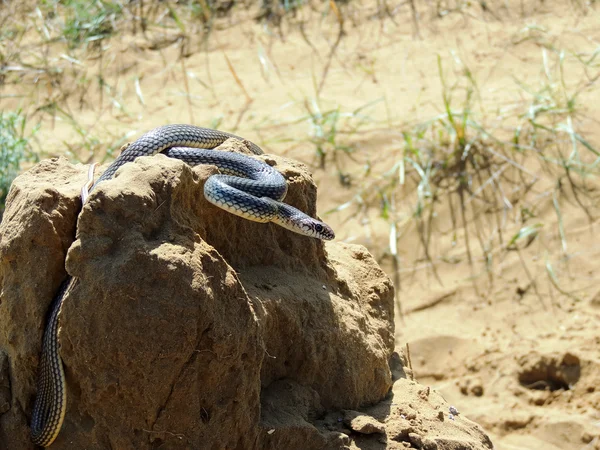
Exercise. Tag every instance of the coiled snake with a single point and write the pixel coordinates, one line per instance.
(256, 197)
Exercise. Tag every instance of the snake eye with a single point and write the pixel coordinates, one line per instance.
(319, 228)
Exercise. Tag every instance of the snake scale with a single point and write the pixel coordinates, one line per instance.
(246, 186)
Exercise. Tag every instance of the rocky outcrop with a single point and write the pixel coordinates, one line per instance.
(190, 328)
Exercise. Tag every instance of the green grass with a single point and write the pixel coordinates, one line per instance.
(15, 149)
(79, 22)
(90, 21)
(331, 131)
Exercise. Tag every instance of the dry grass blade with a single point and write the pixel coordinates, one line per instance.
(205, 10)
(561, 227)
(532, 280)
(335, 45)
(186, 83)
(554, 280)
(415, 18)
(138, 91)
(236, 78)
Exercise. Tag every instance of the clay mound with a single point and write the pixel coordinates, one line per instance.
(190, 327)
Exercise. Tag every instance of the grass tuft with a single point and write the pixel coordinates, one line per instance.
(487, 172)
(14, 150)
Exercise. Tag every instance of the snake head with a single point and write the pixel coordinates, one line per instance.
(299, 222)
(320, 230)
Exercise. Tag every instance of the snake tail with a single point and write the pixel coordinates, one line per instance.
(50, 403)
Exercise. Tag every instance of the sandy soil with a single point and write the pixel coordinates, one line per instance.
(513, 344)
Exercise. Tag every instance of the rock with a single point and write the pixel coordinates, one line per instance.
(429, 444)
(416, 421)
(362, 423)
(471, 385)
(190, 327)
(37, 229)
(416, 440)
(4, 383)
(595, 300)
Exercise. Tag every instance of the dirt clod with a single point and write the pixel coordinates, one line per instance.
(362, 423)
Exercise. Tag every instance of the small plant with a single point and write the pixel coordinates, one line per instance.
(90, 21)
(324, 127)
(80, 21)
(274, 10)
(14, 150)
(331, 130)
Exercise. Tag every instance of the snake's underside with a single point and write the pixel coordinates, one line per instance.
(247, 187)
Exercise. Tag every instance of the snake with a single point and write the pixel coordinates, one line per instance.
(245, 186)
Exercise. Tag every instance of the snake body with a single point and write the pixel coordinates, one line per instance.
(246, 187)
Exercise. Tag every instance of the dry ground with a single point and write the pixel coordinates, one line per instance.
(482, 209)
